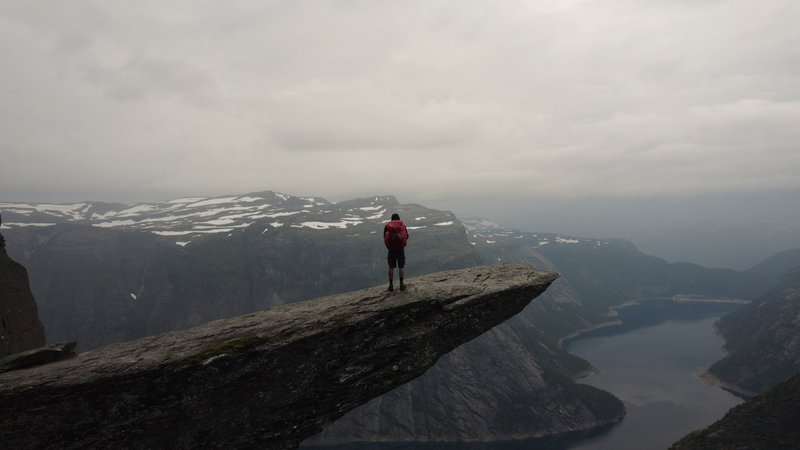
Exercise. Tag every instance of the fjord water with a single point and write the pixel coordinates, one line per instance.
(650, 362)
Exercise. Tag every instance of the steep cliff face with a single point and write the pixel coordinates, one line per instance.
(264, 380)
(491, 397)
(513, 382)
(763, 340)
(20, 328)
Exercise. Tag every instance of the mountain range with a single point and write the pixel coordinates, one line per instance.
(105, 273)
(123, 271)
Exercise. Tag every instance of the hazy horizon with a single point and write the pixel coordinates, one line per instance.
(711, 231)
(654, 122)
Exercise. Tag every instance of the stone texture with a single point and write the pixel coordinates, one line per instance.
(264, 380)
(20, 328)
(493, 388)
(38, 356)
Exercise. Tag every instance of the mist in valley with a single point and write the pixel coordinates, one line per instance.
(734, 230)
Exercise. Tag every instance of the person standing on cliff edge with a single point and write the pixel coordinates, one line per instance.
(395, 237)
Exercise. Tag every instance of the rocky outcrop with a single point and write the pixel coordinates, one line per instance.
(20, 328)
(264, 380)
(38, 356)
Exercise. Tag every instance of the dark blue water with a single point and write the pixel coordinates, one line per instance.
(650, 362)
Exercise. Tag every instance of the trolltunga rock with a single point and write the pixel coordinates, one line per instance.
(264, 380)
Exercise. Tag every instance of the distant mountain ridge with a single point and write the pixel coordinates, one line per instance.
(145, 268)
(189, 218)
(778, 265)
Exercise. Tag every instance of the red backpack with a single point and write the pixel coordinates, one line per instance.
(396, 236)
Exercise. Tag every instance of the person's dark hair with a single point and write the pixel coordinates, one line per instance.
(395, 216)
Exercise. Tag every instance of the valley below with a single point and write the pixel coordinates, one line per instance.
(650, 358)
(651, 362)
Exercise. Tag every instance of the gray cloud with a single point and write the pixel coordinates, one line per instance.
(452, 99)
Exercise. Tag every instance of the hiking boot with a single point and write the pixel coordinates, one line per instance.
(391, 288)
(402, 286)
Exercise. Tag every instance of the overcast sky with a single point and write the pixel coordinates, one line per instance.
(432, 101)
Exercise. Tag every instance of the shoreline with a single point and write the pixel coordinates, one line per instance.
(703, 375)
(708, 378)
(688, 298)
(612, 312)
(581, 331)
(679, 298)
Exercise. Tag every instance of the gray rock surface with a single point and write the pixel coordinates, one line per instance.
(38, 356)
(264, 380)
(20, 328)
(488, 390)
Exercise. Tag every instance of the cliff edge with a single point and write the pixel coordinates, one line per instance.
(263, 380)
(20, 328)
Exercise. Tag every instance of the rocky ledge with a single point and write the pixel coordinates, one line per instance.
(20, 328)
(264, 380)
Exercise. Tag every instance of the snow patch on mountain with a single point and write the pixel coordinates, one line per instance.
(198, 216)
(482, 230)
(322, 225)
(17, 224)
(114, 223)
